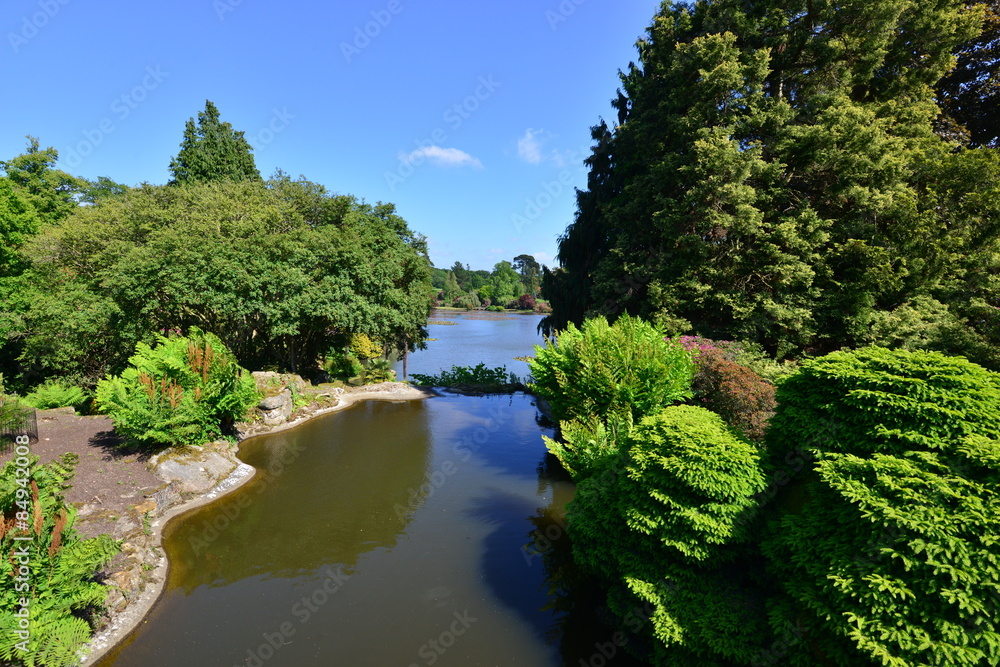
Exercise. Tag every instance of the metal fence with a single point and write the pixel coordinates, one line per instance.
(16, 419)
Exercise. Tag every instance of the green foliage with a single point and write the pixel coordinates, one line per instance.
(604, 369)
(664, 527)
(530, 272)
(342, 365)
(968, 94)
(56, 394)
(378, 370)
(364, 347)
(887, 551)
(467, 375)
(495, 309)
(101, 188)
(60, 589)
(276, 270)
(505, 283)
(48, 191)
(586, 447)
(12, 415)
(774, 176)
(18, 223)
(182, 392)
(212, 151)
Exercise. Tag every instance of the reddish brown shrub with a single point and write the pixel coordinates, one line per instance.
(739, 395)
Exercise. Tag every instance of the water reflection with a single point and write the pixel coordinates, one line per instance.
(306, 510)
(387, 534)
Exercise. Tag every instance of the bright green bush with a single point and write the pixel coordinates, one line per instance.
(56, 394)
(603, 369)
(182, 392)
(665, 526)
(379, 370)
(586, 447)
(887, 551)
(342, 364)
(364, 347)
(60, 588)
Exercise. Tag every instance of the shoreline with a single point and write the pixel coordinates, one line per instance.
(123, 623)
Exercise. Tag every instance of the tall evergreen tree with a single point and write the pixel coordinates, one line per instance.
(775, 176)
(212, 151)
(970, 93)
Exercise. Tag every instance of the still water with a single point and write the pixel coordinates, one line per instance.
(476, 336)
(392, 533)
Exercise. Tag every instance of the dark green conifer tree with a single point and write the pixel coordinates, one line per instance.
(212, 151)
(775, 175)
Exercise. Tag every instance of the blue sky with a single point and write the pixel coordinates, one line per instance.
(472, 117)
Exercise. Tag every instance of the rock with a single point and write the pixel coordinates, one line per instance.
(148, 506)
(194, 472)
(125, 526)
(166, 498)
(122, 580)
(277, 409)
(276, 402)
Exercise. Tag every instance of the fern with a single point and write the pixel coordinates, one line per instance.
(62, 593)
(181, 392)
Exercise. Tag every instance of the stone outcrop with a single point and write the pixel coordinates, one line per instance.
(277, 409)
(193, 469)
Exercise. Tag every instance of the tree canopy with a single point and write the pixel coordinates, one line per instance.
(774, 175)
(276, 270)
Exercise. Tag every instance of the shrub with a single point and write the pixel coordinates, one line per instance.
(662, 528)
(886, 550)
(379, 370)
(364, 347)
(586, 447)
(495, 309)
(603, 369)
(55, 394)
(61, 588)
(466, 375)
(184, 391)
(342, 364)
(739, 395)
(526, 302)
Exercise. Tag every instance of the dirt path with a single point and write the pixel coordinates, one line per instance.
(109, 480)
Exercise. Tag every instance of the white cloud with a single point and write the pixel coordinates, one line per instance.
(542, 258)
(529, 146)
(441, 157)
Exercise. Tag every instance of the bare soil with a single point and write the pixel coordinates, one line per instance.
(109, 478)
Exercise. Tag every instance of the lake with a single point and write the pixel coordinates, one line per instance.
(476, 336)
(392, 533)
